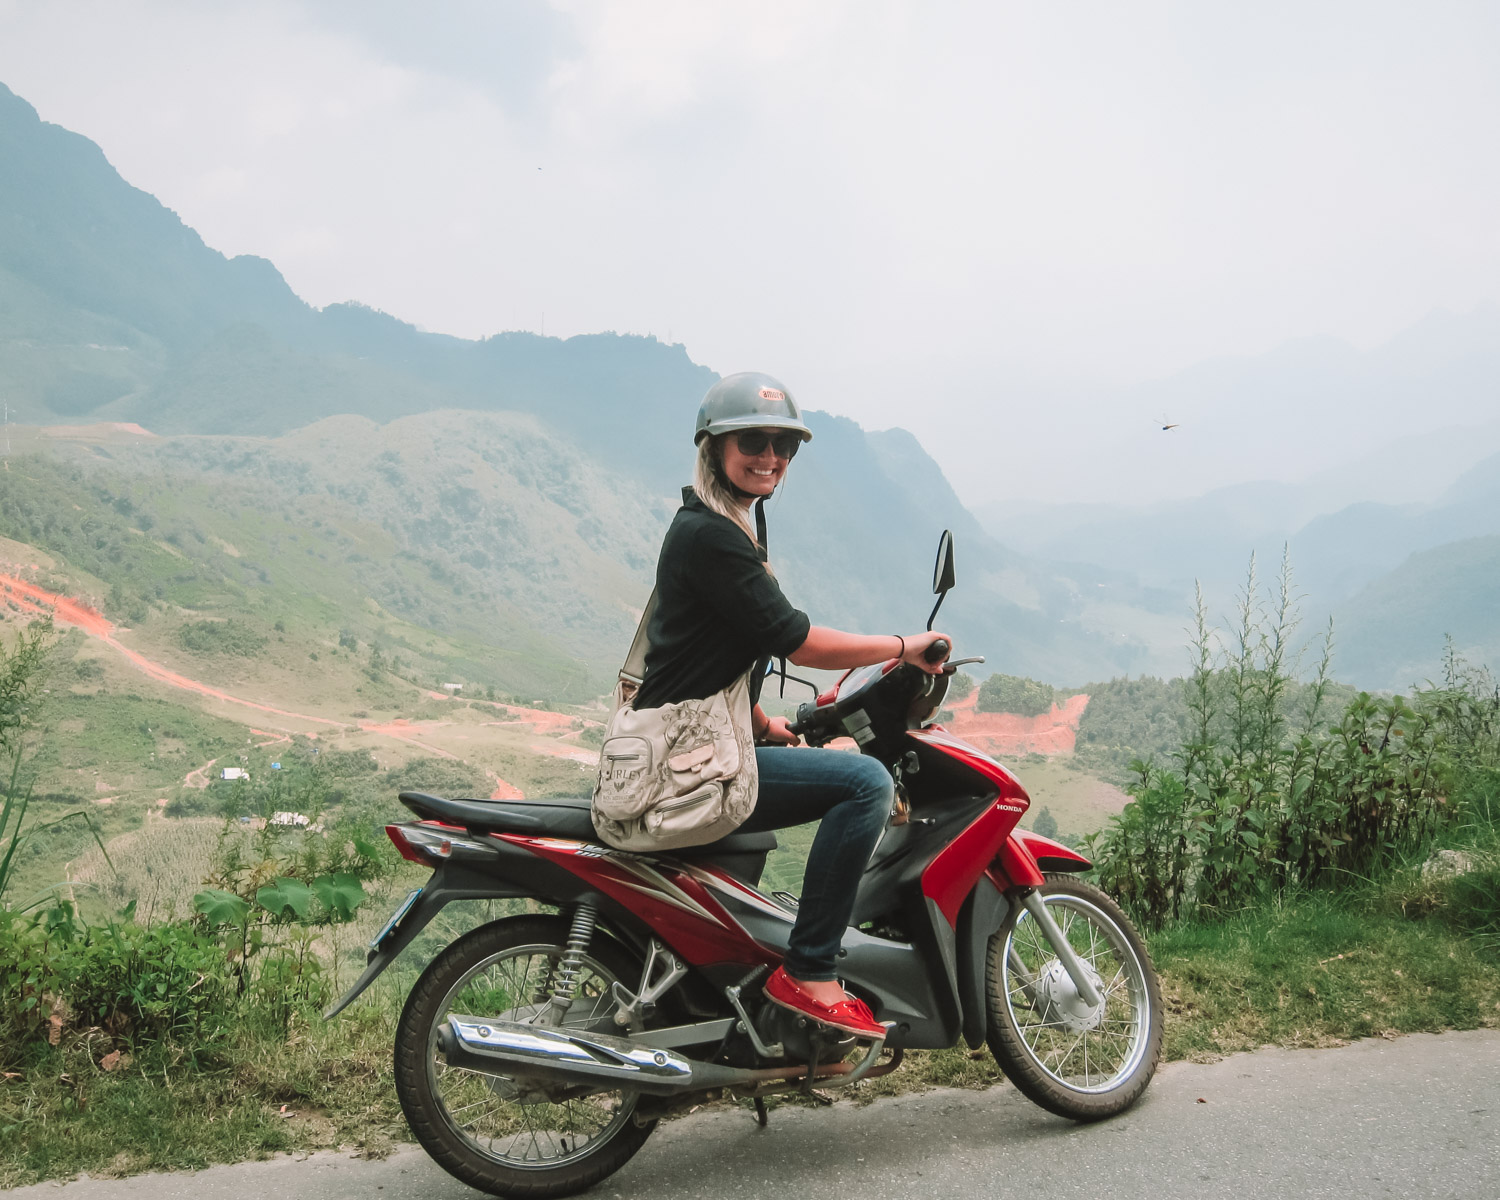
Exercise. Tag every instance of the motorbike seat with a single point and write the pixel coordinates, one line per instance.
(561, 818)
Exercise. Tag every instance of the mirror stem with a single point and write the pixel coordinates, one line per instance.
(933, 617)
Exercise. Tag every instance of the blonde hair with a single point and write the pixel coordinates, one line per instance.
(713, 489)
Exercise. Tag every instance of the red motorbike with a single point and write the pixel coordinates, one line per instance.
(536, 1053)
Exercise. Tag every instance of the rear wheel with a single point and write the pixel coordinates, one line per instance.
(1074, 1059)
(505, 1136)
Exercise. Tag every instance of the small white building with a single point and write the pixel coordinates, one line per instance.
(234, 773)
(288, 818)
(453, 687)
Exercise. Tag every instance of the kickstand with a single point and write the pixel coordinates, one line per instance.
(760, 1111)
(812, 1071)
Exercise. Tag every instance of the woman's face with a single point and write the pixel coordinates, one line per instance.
(757, 475)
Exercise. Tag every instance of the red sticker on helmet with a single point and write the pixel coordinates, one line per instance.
(772, 394)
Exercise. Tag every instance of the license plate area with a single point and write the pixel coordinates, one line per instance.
(386, 929)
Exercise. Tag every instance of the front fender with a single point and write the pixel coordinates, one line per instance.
(1050, 855)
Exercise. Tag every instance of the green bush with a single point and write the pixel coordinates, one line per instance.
(159, 981)
(960, 686)
(1015, 694)
(1262, 798)
(221, 637)
(25, 972)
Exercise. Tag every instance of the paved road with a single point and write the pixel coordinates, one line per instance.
(1416, 1117)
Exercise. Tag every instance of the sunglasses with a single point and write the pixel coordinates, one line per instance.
(753, 442)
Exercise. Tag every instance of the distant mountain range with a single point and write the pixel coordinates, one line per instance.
(113, 310)
(1360, 563)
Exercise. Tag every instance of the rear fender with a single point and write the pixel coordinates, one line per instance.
(480, 869)
(449, 882)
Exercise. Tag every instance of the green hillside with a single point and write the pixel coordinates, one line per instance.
(1393, 630)
(467, 546)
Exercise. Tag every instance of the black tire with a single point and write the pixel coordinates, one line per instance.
(1040, 1031)
(521, 946)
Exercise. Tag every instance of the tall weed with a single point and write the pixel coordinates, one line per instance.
(1265, 794)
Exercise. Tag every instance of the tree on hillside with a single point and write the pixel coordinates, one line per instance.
(20, 677)
(959, 687)
(1015, 694)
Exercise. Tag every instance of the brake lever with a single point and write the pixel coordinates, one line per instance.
(953, 664)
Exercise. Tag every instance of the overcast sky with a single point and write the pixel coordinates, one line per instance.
(928, 214)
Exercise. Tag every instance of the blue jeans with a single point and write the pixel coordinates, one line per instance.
(853, 795)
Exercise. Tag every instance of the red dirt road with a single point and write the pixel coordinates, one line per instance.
(34, 601)
(1005, 734)
(67, 611)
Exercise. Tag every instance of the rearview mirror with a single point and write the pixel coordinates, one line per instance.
(942, 571)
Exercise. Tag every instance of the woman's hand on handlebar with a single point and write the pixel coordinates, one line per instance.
(777, 733)
(919, 645)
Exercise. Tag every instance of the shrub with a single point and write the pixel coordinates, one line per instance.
(221, 637)
(164, 981)
(1015, 694)
(1264, 795)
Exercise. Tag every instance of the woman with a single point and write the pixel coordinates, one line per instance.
(719, 613)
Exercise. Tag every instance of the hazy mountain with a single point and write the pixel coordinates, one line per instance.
(112, 310)
(1301, 406)
(1390, 635)
(1339, 550)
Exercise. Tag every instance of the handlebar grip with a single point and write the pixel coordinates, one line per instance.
(937, 651)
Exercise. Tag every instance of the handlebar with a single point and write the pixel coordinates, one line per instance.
(811, 718)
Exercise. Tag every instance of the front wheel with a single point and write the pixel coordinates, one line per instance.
(502, 1135)
(1076, 1060)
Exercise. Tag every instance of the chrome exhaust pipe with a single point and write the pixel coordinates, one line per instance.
(552, 1055)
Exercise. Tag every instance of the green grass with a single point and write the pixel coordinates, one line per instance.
(1315, 972)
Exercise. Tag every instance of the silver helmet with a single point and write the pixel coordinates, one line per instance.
(748, 400)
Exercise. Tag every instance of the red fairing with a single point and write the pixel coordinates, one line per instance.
(1009, 786)
(675, 903)
(1050, 855)
(951, 875)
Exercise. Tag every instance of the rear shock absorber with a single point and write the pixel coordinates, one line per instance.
(565, 977)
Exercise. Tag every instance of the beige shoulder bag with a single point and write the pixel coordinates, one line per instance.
(679, 775)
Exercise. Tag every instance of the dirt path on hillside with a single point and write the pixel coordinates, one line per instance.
(1007, 735)
(65, 610)
(199, 778)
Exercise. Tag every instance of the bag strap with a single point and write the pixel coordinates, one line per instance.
(634, 668)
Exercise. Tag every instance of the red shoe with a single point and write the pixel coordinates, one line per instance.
(848, 1016)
